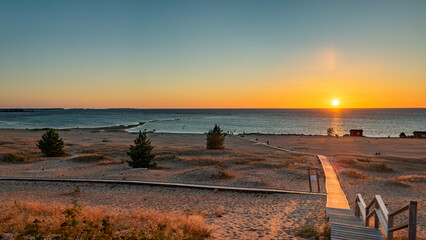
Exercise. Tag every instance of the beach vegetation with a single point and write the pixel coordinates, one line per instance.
(39, 220)
(51, 144)
(89, 158)
(141, 153)
(363, 159)
(17, 157)
(307, 231)
(326, 231)
(382, 167)
(330, 131)
(215, 138)
(355, 174)
(415, 178)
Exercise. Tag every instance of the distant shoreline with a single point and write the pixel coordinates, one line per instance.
(123, 128)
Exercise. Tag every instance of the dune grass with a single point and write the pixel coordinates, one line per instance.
(88, 158)
(17, 157)
(355, 174)
(38, 220)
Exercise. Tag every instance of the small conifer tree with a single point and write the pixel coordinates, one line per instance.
(140, 153)
(215, 138)
(51, 144)
(330, 131)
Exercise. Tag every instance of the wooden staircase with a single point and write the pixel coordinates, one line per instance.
(345, 225)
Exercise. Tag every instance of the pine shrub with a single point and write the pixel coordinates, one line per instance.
(215, 138)
(51, 144)
(330, 131)
(141, 153)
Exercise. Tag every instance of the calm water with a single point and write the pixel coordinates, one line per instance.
(375, 122)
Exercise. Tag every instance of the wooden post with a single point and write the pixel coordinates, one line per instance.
(376, 217)
(356, 208)
(309, 177)
(389, 235)
(412, 220)
(316, 171)
(367, 221)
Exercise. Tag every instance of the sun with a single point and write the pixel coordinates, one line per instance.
(335, 102)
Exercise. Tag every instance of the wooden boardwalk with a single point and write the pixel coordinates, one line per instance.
(343, 223)
(164, 184)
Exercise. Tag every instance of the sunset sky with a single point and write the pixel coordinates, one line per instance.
(212, 54)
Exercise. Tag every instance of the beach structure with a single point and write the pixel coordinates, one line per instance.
(419, 134)
(356, 132)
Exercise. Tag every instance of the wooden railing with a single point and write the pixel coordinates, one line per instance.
(378, 210)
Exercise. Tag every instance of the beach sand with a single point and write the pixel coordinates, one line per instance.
(398, 174)
(180, 158)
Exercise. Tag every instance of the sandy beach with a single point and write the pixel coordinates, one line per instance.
(180, 158)
(398, 174)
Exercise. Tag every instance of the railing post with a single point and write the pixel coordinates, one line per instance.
(356, 208)
(412, 220)
(390, 225)
(318, 184)
(376, 217)
(309, 178)
(367, 220)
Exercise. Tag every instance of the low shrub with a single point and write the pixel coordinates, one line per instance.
(215, 138)
(326, 231)
(308, 231)
(51, 144)
(18, 157)
(141, 153)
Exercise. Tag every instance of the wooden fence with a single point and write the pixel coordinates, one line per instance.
(378, 210)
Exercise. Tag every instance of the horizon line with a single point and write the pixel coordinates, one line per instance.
(84, 108)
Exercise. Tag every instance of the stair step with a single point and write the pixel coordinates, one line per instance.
(354, 232)
(345, 225)
(340, 211)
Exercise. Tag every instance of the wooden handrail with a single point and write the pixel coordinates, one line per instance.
(400, 210)
(384, 218)
(399, 227)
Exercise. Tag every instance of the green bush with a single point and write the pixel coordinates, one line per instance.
(141, 153)
(215, 138)
(51, 144)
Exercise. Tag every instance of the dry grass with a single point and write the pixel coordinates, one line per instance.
(88, 158)
(366, 165)
(32, 219)
(355, 174)
(204, 174)
(377, 167)
(202, 161)
(17, 157)
(415, 178)
(107, 149)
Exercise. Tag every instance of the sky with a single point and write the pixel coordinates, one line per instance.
(212, 54)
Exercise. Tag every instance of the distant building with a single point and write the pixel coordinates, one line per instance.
(419, 134)
(356, 132)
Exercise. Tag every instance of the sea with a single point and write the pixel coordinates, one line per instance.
(374, 122)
